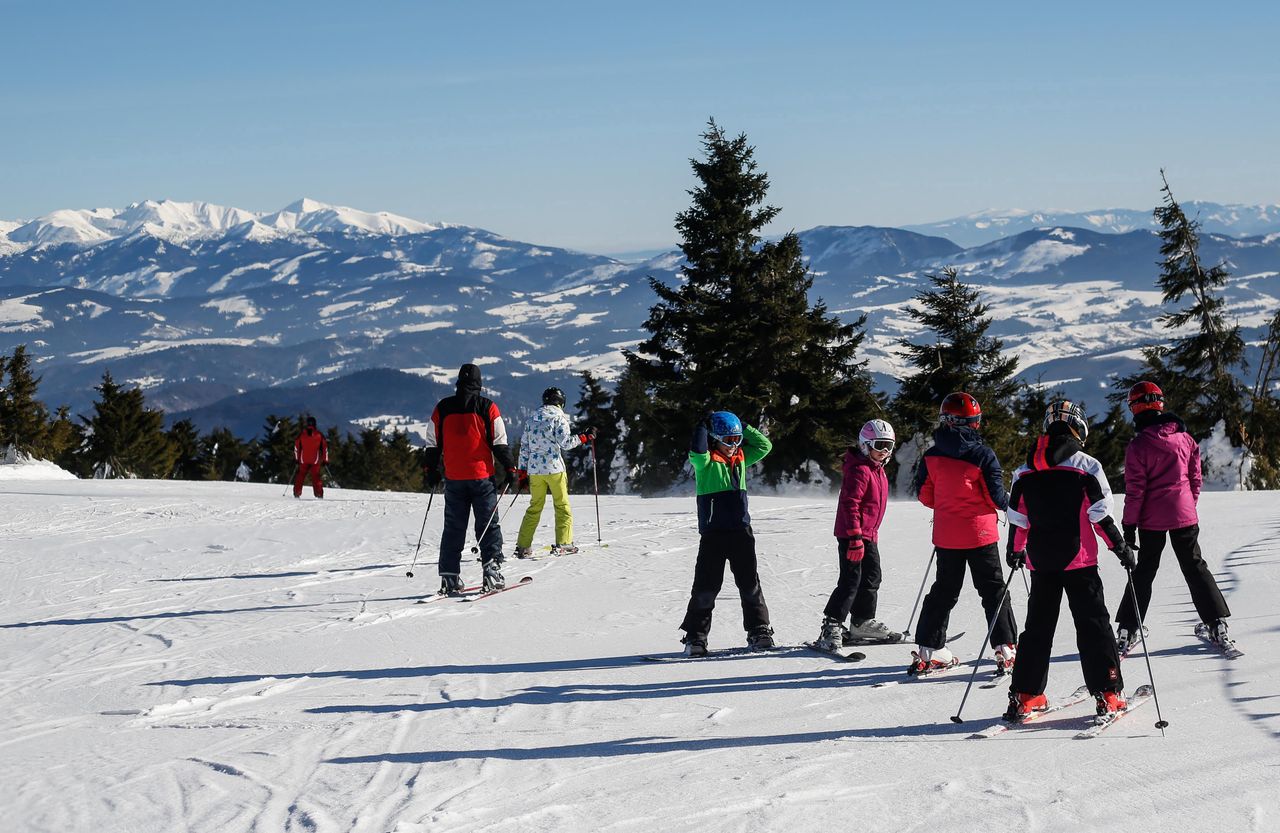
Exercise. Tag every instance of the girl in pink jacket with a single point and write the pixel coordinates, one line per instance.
(1162, 485)
(864, 493)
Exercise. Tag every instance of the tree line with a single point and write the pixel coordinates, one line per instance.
(739, 332)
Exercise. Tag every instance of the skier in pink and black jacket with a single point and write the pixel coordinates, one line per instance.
(1162, 486)
(1059, 502)
(864, 494)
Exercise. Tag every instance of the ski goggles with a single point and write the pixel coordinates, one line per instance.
(882, 445)
(730, 440)
(1147, 399)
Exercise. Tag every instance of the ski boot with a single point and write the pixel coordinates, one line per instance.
(927, 660)
(1021, 706)
(450, 586)
(493, 579)
(563, 549)
(873, 630)
(1005, 655)
(1109, 702)
(695, 645)
(831, 636)
(524, 552)
(1127, 639)
(760, 638)
(1218, 633)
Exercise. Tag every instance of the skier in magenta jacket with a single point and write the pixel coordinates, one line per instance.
(1162, 485)
(864, 493)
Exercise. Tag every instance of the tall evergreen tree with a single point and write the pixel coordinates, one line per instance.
(595, 410)
(958, 355)
(24, 420)
(63, 440)
(401, 469)
(184, 437)
(740, 334)
(276, 461)
(125, 437)
(1198, 369)
(222, 452)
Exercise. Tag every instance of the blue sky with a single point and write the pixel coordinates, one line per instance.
(572, 123)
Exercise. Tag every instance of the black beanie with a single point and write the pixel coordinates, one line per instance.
(469, 374)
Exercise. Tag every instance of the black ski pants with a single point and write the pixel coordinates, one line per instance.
(1205, 594)
(988, 579)
(1094, 640)
(738, 547)
(858, 588)
(463, 498)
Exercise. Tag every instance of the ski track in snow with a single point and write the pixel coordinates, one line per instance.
(219, 657)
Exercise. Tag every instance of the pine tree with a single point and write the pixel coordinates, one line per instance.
(276, 461)
(739, 334)
(1263, 421)
(959, 356)
(594, 410)
(184, 437)
(24, 420)
(402, 464)
(63, 441)
(126, 439)
(221, 453)
(1199, 369)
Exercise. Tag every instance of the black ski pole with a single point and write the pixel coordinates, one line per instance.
(510, 505)
(1004, 597)
(497, 504)
(907, 631)
(595, 485)
(294, 477)
(1161, 723)
(421, 533)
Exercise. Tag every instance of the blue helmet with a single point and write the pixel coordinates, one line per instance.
(726, 424)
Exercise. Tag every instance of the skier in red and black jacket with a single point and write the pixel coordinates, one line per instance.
(1060, 500)
(960, 478)
(467, 450)
(312, 453)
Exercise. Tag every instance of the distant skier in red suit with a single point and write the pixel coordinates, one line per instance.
(312, 454)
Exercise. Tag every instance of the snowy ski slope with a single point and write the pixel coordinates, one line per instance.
(217, 657)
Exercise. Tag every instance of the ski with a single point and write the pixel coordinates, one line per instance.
(1080, 695)
(438, 596)
(720, 654)
(1103, 722)
(486, 594)
(852, 656)
(997, 677)
(1228, 648)
(895, 639)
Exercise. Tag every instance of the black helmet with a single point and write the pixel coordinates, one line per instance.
(553, 396)
(311, 422)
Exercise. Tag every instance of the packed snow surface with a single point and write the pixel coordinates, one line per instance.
(220, 657)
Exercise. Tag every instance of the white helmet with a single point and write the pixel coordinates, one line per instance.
(876, 433)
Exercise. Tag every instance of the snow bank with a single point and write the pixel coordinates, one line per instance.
(1226, 469)
(18, 466)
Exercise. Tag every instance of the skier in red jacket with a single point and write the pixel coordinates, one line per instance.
(312, 453)
(960, 479)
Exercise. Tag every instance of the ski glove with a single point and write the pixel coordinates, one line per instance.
(585, 439)
(1015, 559)
(854, 549)
(433, 479)
(522, 479)
(1131, 535)
(1125, 554)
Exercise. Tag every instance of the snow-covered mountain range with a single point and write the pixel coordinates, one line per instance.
(226, 316)
(1216, 218)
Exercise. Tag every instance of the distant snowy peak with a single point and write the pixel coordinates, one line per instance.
(311, 216)
(985, 226)
(179, 221)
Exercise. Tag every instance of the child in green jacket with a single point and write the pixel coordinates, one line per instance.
(720, 470)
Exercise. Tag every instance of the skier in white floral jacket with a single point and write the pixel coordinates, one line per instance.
(546, 434)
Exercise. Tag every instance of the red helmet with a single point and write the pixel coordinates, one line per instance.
(1145, 396)
(960, 409)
